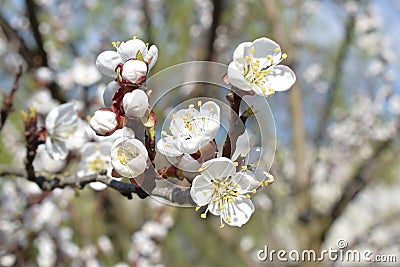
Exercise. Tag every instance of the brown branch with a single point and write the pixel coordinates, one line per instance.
(234, 126)
(8, 101)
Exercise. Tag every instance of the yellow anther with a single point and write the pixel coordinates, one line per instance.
(147, 44)
(248, 196)
(222, 226)
(211, 110)
(199, 103)
(203, 215)
(203, 119)
(230, 200)
(164, 133)
(235, 163)
(134, 37)
(244, 168)
(191, 106)
(122, 158)
(236, 186)
(228, 219)
(276, 50)
(197, 208)
(247, 58)
(254, 191)
(200, 170)
(269, 57)
(252, 50)
(221, 207)
(284, 56)
(174, 116)
(204, 193)
(203, 165)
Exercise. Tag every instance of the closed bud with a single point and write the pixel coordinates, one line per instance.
(104, 122)
(135, 104)
(134, 70)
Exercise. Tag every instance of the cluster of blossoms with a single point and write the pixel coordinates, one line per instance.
(125, 145)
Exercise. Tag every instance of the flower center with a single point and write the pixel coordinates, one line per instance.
(97, 164)
(124, 155)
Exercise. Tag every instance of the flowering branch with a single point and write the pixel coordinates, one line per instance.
(8, 101)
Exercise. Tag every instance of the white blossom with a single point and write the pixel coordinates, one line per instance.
(135, 104)
(42, 101)
(95, 159)
(61, 124)
(128, 157)
(255, 68)
(84, 73)
(191, 129)
(224, 191)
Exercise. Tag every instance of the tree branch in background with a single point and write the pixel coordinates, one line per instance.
(31, 9)
(273, 12)
(356, 184)
(212, 33)
(334, 89)
(12, 36)
(8, 101)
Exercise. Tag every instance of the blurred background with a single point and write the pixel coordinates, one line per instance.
(336, 165)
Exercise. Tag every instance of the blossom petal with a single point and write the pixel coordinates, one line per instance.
(109, 93)
(107, 61)
(137, 166)
(57, 150)
(129, 49)
(281, 78)
(166, 147)
(245, 182)
(264, 47)
(238, 212)
(190, 145)
(218, 168)
(98, 186)
(152, 55)
(64, 115)
(239, 53)
(201, 190)
(236, 78)
(213, 207)
(211, 111)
